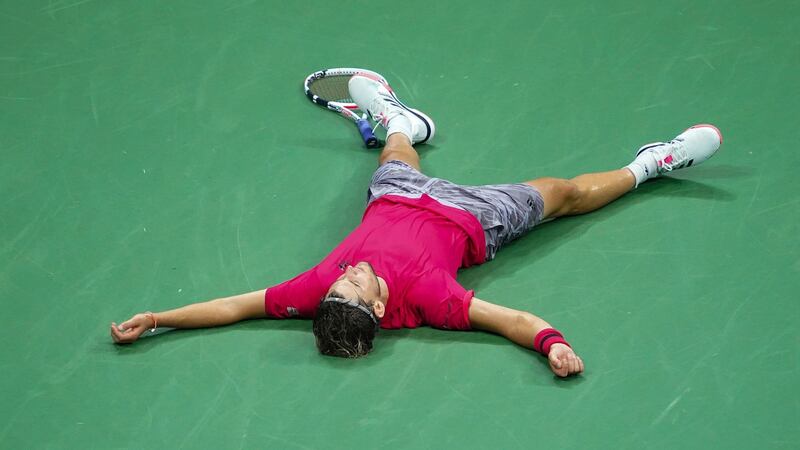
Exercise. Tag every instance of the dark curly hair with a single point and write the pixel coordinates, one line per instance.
(342, 329)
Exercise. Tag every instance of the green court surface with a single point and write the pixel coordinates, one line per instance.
(159, 153)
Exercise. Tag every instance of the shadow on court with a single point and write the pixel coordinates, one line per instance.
(547, 237)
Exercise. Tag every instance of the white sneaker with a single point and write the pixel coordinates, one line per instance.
(689, 148)
(379, 101)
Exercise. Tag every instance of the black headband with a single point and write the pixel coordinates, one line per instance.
(354, 304)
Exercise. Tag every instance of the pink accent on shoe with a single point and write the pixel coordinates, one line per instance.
(374, 78)
(667, 160)
(708, 125)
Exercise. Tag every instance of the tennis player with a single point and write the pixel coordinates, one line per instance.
(398, 268)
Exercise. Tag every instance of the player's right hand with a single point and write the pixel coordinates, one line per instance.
(130, 330)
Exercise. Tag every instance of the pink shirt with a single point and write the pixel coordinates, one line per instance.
(416, 245)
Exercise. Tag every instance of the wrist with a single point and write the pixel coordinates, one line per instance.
(153, 319)
(546, 338)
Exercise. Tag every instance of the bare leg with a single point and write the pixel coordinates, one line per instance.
(584, 193)
(562, 197)
(398, 147)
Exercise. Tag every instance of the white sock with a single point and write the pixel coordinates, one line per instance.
(400, 124)
(638, 172)
(643, 168)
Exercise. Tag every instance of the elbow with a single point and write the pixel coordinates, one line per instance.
(227, 311)
(523, 322)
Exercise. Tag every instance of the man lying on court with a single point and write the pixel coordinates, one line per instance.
(398, 267)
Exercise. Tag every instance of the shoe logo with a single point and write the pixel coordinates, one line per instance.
(391, 101)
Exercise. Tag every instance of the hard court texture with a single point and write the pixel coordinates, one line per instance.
(160, 153)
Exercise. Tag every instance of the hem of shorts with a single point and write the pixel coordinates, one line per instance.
(467, 303)
(398, 161)
(540, 216)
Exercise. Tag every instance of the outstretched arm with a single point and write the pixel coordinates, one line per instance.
(214, 313)
(521, 328)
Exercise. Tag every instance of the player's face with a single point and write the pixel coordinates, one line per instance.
(358, 282)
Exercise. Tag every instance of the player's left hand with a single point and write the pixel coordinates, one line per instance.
(563, 361)
(129, 331)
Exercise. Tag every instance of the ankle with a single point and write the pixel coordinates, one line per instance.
(640, 171)
(400, 124)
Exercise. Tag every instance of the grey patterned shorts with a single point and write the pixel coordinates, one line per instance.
(505, 211)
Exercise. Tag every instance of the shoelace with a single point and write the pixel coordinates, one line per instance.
(381, 118)
(676, 157)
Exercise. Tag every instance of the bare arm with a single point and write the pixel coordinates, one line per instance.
(521, 328)
(214, 313)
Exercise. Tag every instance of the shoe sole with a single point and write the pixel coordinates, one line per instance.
(431, 128)
(428, 124)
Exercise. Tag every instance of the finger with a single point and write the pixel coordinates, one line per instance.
(117, 335)
(554, 360)
(580, 364)
(557, 368)
(124, 337)
(573, 363)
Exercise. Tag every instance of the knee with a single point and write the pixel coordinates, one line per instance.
(572, 195)
(412, 159)
(567, 194)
